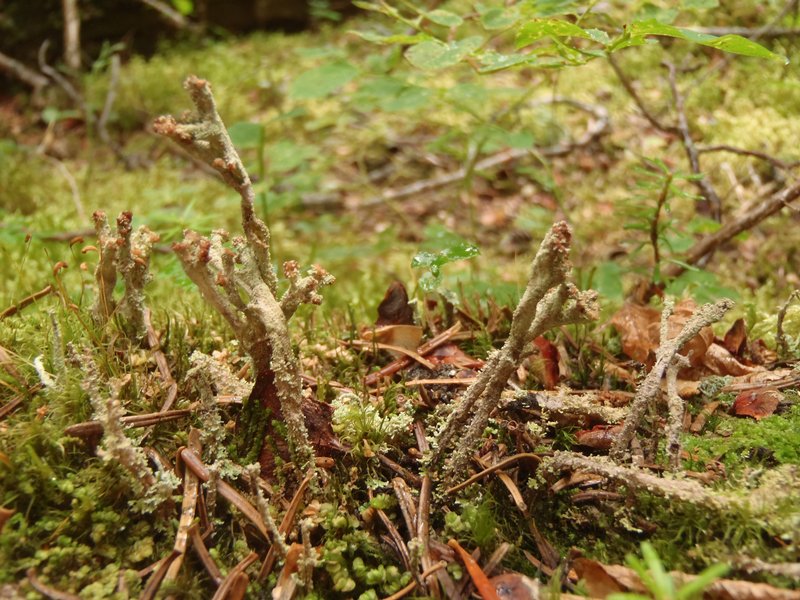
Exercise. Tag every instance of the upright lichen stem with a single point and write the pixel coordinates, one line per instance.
(548, 301)
(241, 284)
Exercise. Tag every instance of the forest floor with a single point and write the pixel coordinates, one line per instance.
(350, 151)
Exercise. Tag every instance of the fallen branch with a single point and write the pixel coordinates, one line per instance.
(25, 74)
(746, 220)
(596, 128)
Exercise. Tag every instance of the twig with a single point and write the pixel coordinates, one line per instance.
(283, 528)
(191, 486)
(172, 16)
(598, 127)
(233, 578)
(193, 462)
(410, 587)
(93, 428)
(151, 589)
(46, 590)
(23, 73)
(73, 186)
(154, 343)
(203, 554)
(706, 189)
(750, 32)
(404, 361)
(747, 220)
(665, 355)
(423, 531)
(626, 83)
(496, 467)
(27, 301)
(780, 336)
(778, 163)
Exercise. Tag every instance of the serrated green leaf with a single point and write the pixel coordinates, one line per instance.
(552, 28)
(245, 134)
(735, 44)
(444, 18)
(322, 81)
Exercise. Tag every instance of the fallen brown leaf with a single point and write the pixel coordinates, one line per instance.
(549, 359)
(756, 403)
(599, 437)
(394, 309)
(736, 338)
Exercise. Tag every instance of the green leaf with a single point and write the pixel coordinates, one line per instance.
(392, 39)
(284, 155)
(185, 7)
(435, 260)
(551, 8)
(322, 81)
(246, 135)
(735, 44)
(494, 61)
(444, 18)
(434, 55)
(500, 18)
(553, 28)
(699, 4)
(656, 13)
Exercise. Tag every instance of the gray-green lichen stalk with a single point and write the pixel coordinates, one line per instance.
(226, 276)
(548, 301)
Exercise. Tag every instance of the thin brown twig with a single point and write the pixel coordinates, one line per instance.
(626, 83)
(777, 162)
(496, 467)
(46, 590)
(746, 220)
(93, 428)
(203, 554)
(706, 189)
(410, 587)
(404, 361)
(27, 301)
(597, 128)
(232, 579)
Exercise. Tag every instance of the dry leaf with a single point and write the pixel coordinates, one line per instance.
(404, 336)
(599, 437)
(599, 583)
(639, 330)
(736, 338)
(720, 360)
(756, 403)
(451, 354)
(394, 309)
(634, 323)
(549, 361)
(515, 586)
